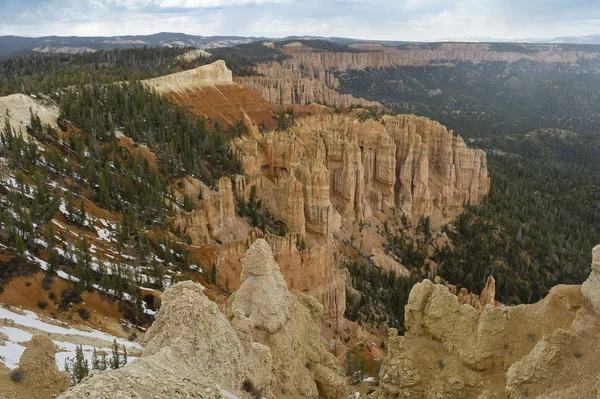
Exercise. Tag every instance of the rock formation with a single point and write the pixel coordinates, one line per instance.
(591, 287)
(452, 350)
(268, 343)
(312, 271)
(284, 322)
(333, 170)
(210, 91)
(284, 91)
(307, 75)
(41, 376)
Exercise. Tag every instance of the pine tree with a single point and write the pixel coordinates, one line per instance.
(95, 360)
(53, 262)
(103, 362)
(124, 356)
(115, 361)
(81, 215)
(213, 274)
(80, 368)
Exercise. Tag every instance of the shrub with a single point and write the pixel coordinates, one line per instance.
(68, 297)
(42, 305)
(152, 302)
(84, 314)
(17, 375)
(47, 283)
(248, 386)
(28, 283)
(52, 296)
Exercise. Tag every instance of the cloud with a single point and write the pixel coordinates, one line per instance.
(368, 19)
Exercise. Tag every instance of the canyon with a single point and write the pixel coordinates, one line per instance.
(308, 75)
(270, 325)
(451, 349)
(332, 178)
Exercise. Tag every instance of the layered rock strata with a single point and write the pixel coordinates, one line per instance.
(333, 170)
(311, 271)
(307, 74)
(209, 91)
(453, 350)
(301, 91)
(263, 346)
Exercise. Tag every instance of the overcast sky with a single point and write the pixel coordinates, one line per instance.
(365, 19)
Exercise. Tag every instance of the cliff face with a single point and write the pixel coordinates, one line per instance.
(453, 350)
(311, 271)
(262, 346)
(301, 91)
(308, 74)
(331, 171)
(210, 91)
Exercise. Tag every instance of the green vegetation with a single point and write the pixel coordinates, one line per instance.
(43, 73)
(540, 222)
(242, 59)
(489, 98)
(79, 367)
(538, 124)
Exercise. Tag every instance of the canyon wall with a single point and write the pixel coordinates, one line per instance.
(453, 350)
(334, 170)
(308, 74)
(287, 91)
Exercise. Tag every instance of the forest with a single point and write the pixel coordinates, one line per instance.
(44, 73)
(538, 125)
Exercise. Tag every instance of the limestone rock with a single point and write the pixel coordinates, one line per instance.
(331, 171)
(209, 91)
(453, 349)
(591, 287)
(42, 378)
(289, 326)
(198, 333)
(263, 296)
(271, 337)
(286, 91)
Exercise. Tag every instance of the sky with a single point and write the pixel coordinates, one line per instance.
(409, 20)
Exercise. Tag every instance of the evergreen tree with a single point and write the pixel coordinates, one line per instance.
(115, 361)
(213, 274)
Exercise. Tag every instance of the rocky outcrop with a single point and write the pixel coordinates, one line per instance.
(213, 213)
(454, 350)
(313, 271)
(284, 322)
(307, 75)
(41, 376)
(210, 91)
(268, 344)
(591, 287)
(286, 91)
(334, 170)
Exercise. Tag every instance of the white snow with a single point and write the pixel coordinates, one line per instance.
(11, 351)
(104, 234)
(30, 319)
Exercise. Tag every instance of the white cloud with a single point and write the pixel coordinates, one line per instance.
(212, 3)
(368, 19)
